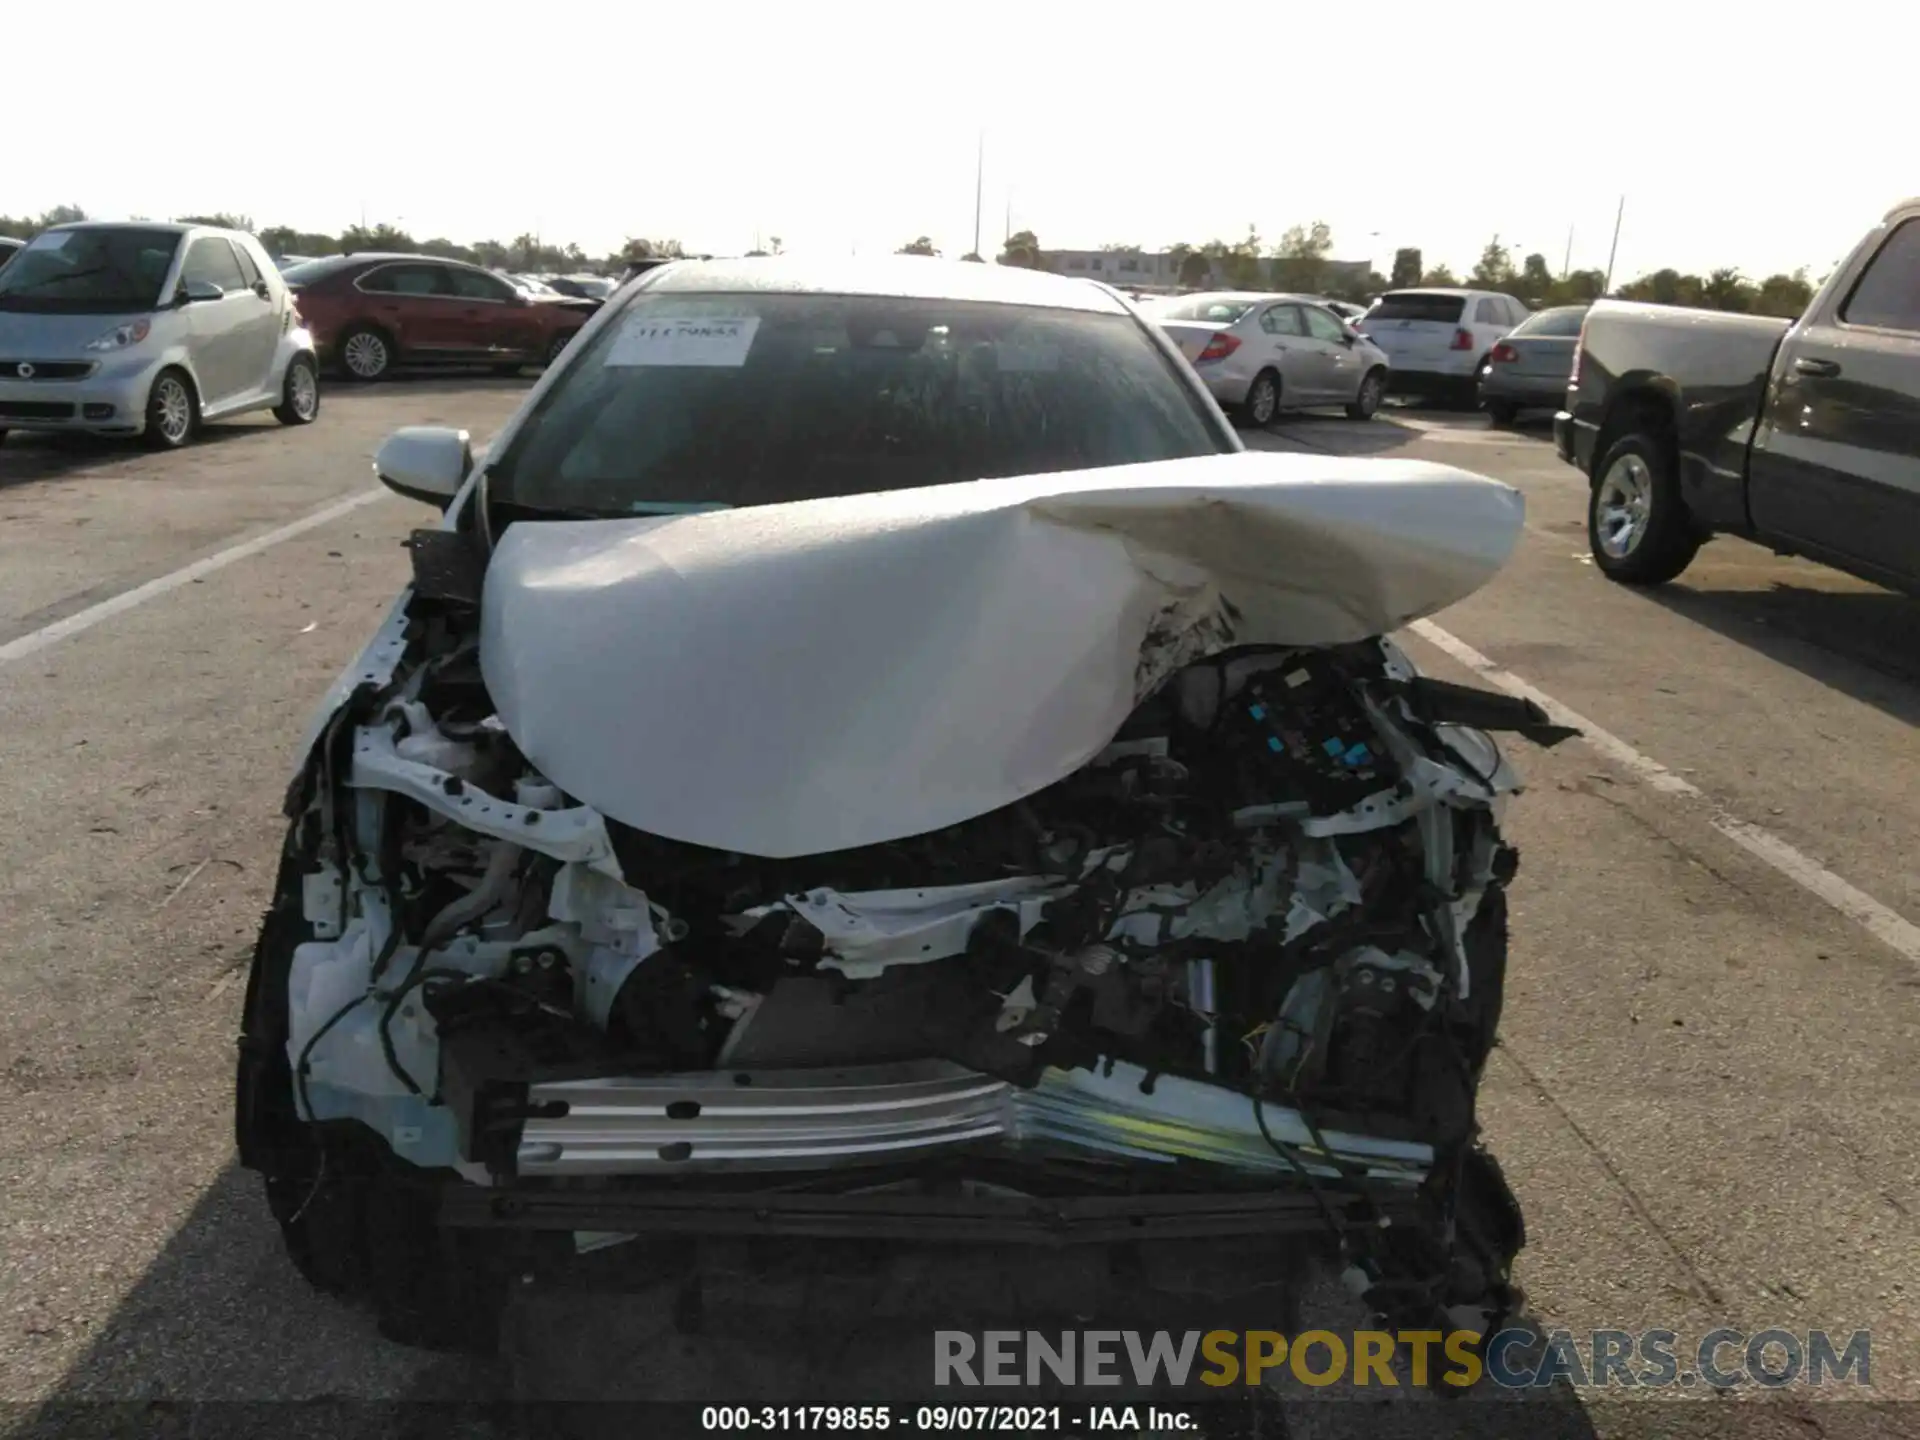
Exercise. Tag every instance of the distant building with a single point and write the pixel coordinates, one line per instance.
(1158, 269)
(1117, 267)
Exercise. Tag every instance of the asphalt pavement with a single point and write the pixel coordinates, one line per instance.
(1705, 1094)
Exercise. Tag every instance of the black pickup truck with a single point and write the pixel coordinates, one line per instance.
(1802, 436)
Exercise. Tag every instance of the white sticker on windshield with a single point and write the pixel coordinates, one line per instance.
(715, 341)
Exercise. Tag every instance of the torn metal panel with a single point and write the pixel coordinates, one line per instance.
(843, 672)
(578, 834)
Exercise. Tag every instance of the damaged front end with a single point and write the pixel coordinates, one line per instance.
(1236, 976)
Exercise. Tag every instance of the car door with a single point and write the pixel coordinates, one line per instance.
(1836, 463)
(1285, 335)
(259, 341)
(494, 318)
(1337, 359)
(415, 303)
(217, 328)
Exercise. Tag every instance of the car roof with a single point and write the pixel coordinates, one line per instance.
(905, 277)
(1251, 296)
(1444, 290)
(173, 227)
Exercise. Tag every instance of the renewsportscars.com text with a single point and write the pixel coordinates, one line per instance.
(1514, 1359)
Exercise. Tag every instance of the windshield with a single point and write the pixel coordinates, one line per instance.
(1563, 321)
(1214, 311)
(106, 270)
(1445, 309)
(724, 400)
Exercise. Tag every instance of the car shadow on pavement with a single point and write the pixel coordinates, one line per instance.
(431, 382)
(1863, 643)
(48, 456)
(220, 1337)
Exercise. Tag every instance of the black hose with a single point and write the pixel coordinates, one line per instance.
(415, 976)
(1334, 1223)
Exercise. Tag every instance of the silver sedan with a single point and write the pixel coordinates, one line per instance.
(1261, 354)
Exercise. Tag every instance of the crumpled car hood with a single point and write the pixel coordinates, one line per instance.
(794, 679)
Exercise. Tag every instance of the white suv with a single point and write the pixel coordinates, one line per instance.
(1438, 338)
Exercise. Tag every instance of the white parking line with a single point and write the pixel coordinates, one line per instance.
(1884, 924)
(37, 640)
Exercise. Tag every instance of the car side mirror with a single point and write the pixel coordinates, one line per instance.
(196, 291)
(428, 463)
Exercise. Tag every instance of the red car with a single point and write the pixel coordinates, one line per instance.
(369, 313)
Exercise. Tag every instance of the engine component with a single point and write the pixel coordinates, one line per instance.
(1268, 883)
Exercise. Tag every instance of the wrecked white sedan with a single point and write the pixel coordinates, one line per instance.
(868, 755)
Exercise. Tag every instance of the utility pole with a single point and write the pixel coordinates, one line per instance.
(979, 171)
(1566, 265)
(1614, 249)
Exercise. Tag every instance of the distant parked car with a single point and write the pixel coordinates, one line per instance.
(284, 263)
(149, 330)
(1345, 309)
(1531, 366)
(531, 284)
(1438, 339)
(9, 247)
(580, 287)
(370, 313)
(1261, 354)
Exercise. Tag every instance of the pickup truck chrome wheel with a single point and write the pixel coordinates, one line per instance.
(1638, 525)
(1622, 506)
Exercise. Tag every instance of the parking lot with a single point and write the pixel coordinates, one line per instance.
(1704, 1094)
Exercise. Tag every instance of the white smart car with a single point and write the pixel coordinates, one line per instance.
(148, 329)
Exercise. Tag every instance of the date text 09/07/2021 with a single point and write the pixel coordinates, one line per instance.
(943, 1419)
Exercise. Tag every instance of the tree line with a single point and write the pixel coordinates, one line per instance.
(1300, 261)
(525, 254)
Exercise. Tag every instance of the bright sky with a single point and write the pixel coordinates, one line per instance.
(1760, 136)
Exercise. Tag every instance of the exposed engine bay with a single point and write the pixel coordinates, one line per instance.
(1283, 879)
